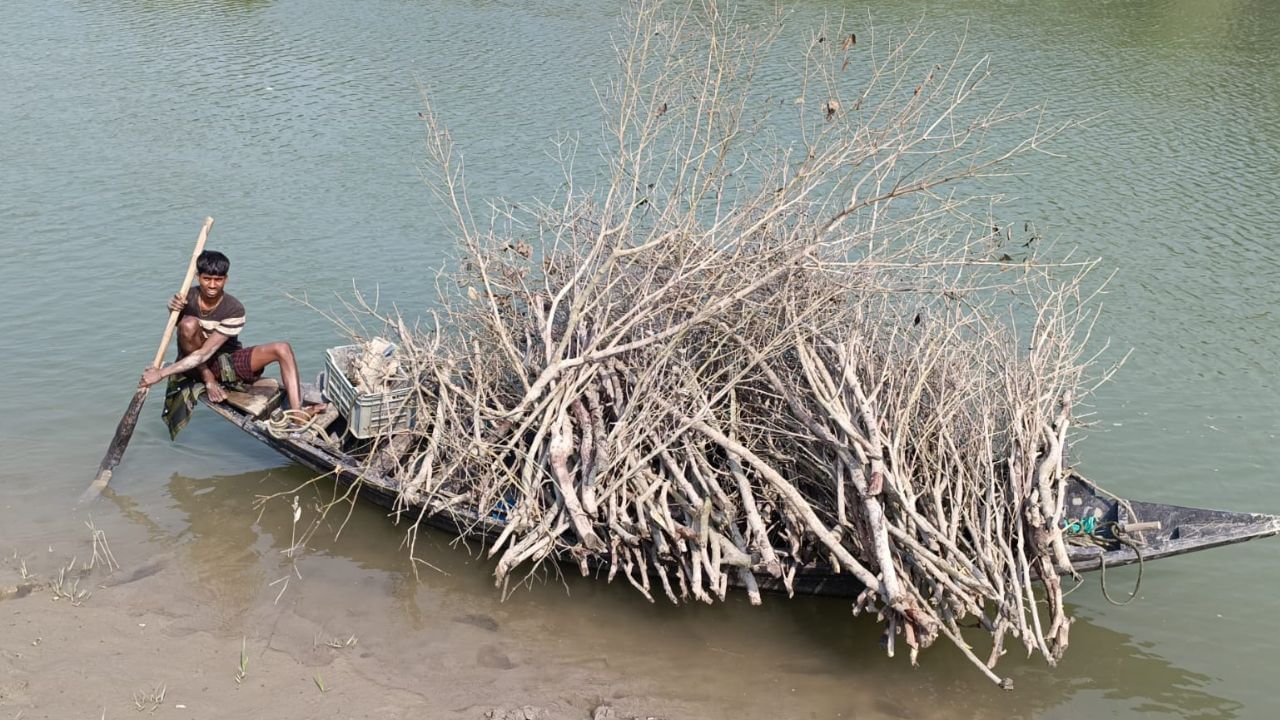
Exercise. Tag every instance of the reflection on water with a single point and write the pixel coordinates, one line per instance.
(219, 546)
(747, 662)
(1104, 667)
(294, 123)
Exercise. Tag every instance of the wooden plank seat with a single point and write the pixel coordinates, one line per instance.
(259, 399)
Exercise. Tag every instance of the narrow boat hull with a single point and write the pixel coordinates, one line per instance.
(1172, 529)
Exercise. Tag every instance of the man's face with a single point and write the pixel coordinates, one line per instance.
(211, 286)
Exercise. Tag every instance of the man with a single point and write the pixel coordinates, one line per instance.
(210, 352)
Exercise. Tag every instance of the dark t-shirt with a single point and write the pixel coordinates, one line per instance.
(227, 318)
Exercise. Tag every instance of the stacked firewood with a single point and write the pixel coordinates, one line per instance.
(739, 356)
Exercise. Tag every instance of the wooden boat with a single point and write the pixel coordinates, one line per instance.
(1122, 532)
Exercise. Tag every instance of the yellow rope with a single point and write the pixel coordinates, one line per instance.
(290, 422)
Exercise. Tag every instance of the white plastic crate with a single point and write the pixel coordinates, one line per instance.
(366, 415)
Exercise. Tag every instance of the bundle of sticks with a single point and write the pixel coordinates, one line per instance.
(746, 352)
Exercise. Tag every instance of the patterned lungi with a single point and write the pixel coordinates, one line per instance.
(234, 370)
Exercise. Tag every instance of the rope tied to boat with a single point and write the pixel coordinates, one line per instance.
(290, 422)
(1090, 532)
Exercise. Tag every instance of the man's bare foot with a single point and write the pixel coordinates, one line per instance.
(314, 409)
(216, 392)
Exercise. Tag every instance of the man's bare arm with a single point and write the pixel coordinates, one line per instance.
(151, 376)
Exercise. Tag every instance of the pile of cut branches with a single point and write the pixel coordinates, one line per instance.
(781, 332)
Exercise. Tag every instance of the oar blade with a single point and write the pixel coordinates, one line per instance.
(120, 441)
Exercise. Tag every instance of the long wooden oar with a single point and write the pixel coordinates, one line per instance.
(124, 431)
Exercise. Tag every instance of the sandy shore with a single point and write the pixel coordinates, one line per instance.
(145, 641)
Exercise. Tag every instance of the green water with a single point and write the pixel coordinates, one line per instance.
(295, 124)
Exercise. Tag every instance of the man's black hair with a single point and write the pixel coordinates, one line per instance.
(212, 262)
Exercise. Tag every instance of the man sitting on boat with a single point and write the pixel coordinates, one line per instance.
(210, 354)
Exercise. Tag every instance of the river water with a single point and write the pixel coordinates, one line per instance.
(295, 124)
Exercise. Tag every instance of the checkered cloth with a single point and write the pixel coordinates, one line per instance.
(233, 370)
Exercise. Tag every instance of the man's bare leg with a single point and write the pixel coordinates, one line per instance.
(190, 338)
(261, 356)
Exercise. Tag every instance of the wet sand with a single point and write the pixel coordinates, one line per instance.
(112, 655)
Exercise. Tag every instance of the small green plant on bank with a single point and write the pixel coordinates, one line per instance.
(243, 671)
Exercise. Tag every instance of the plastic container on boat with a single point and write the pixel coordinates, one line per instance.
(367, 415)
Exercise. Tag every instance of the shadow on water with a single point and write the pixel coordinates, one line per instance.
(804, 653)
(235, 532)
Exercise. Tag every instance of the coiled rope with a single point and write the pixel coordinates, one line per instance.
(290, 422)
